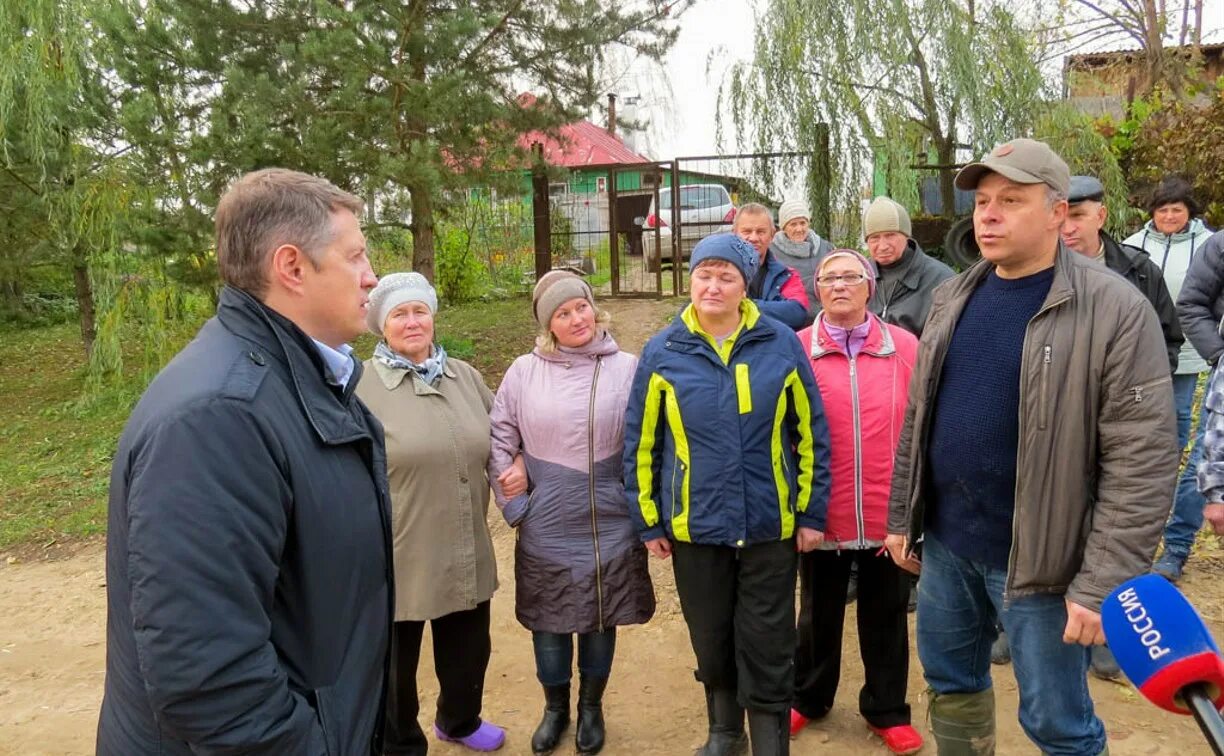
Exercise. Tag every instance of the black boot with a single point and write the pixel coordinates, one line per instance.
(726, 725)
(590, 735)
(770, 732)
(556, 719)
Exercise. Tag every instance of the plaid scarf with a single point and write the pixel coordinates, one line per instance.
(429, 371)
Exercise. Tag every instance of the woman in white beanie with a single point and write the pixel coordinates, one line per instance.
(435, 410)
(797, 246)
(579, 567)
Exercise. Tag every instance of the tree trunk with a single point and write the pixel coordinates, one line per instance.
(947, 190)
(85, 301)
(11, 295)
(422, 233)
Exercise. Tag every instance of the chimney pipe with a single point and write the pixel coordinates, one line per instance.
(612, 114)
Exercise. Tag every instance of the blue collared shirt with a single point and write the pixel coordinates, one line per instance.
(339, 362)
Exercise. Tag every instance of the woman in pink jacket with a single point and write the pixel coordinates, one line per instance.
(862, 367)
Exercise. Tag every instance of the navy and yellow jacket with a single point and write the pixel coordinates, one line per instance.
(725, 446)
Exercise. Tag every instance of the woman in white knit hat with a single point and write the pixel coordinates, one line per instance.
(797, 246)
(435, 410)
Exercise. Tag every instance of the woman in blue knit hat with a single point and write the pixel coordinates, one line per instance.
(726, 470)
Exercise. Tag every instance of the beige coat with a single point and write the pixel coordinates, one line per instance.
(1097, 457)
(437, 453)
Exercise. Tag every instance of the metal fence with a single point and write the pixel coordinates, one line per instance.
(626, 227)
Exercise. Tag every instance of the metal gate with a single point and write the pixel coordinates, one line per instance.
(630, 231)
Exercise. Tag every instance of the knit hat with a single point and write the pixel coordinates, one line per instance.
(392, 291)
(868, 269)
(555, 288)
(1025, 161)
(730, 248)
(792, 209)
(885, 215)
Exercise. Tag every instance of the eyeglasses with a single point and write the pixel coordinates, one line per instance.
(849, 279)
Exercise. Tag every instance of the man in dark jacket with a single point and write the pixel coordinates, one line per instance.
(1083, 232)
(776, 289)
(248, 557)
(908, 275)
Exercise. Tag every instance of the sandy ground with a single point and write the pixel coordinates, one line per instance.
(53, 618)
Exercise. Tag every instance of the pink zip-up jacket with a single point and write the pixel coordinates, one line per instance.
(864, 403)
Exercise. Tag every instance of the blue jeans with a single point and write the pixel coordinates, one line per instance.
(959, 604)
(554, 655)
(1187, 515)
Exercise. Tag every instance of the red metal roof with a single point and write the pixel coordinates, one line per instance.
(581, 143)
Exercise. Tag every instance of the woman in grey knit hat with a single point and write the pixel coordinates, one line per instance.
(579, 566)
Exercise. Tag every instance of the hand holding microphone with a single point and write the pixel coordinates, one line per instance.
(1166, 650)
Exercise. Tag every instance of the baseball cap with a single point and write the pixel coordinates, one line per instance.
(1084, 188)
(1025, 161)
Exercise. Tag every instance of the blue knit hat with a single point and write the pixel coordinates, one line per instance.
(728, 247)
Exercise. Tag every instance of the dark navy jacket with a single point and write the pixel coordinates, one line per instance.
(248, 557)
(726, 447)
(778, 292)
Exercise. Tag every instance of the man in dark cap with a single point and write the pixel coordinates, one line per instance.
(1083, 231)
(1035, 464)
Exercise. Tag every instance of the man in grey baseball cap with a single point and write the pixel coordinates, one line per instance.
(1024, 467)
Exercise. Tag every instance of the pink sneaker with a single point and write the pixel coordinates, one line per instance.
(487, 737)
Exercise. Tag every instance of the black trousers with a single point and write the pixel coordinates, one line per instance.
(461, 656)
(739, 605)
(883, 590)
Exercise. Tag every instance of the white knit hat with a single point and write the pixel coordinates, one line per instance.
(392, 291)
(792, 209)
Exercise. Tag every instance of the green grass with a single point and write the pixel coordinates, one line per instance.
(56, 447)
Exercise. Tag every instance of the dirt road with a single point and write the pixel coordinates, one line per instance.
(53, 618)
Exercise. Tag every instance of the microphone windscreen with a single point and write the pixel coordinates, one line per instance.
(1161, 642)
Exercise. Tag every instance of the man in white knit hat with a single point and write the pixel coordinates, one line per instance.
(907, 274)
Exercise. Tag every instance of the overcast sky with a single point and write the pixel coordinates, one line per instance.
(682, 110)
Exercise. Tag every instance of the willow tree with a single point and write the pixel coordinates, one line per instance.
(903, 85)
(404, 103)
(60, 192)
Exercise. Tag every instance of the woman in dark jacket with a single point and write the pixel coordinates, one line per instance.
(578, 564)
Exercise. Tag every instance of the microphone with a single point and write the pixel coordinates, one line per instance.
(1166, 650)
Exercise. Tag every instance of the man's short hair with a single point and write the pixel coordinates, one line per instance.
(752, 208)
(268, 208)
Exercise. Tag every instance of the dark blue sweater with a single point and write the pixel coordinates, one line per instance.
(975, 429)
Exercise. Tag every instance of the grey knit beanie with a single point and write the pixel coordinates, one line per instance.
(885, 215)
(392, 291)
(555, 288)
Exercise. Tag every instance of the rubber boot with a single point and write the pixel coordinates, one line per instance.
(726, 717)
(556, 719)
(770, 733)
(963, 723)
(590, 735)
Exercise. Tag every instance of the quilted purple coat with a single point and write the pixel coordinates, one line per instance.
(578, 563)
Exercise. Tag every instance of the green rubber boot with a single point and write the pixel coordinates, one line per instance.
(963, 723)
